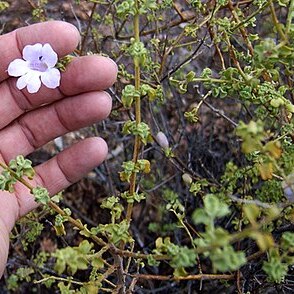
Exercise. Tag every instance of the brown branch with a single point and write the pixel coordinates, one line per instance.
(255, 255)
(276, 22)
(242, 30)
(175, 23)
(137, 144)
(32, 4)
(185, 278)
(219, 53)
(87, 29)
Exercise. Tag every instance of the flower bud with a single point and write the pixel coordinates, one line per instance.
(288, 185)
(187, 178)
(162, 140)
(288, 193)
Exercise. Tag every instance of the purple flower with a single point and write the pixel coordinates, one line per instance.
(37, 65)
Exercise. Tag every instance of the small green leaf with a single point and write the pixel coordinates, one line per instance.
(97, 262)
(274, 267)
(200, 216)
(129, 94)
(41, 195)
(288, 241)
(227, 259)
(214, 207)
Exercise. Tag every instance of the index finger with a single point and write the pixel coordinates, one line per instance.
(63, 38)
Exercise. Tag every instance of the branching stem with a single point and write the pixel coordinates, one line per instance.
(137, 144)
(277, 23)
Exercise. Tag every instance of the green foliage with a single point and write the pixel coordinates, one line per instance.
(252, 134)
(22, 167)
(64, 62)
(71, 259)
(226, 259)
(130, 167)
(3, 5)
(274, 267)
(213, 208)
(38, 12)
(222, 255)
(181, 256)
(197, 187)
(34, 230)
(22, 274)
(173, 202)
(277, 265)
(192, 116)
(138, 51)
(116, 209)
(183, 84)
(129, 94)
(41, 195)
(18, 168)
(288, 241)
(196, 3)
(142, 130)
(7, 181)
(270, 191)
(128, 7)
(131, 198)
(213, 237)
(58, 225)
(116, 232)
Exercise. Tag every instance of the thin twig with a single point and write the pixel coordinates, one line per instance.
(185, 278)
(88, 28)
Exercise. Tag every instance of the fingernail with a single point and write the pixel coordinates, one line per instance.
(113, 63)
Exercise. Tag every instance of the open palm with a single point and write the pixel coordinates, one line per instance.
(28, 121)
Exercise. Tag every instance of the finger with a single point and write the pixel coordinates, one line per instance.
(64, 169)
(83, 74)
(39, 126)
(4, 245)
(62, 36)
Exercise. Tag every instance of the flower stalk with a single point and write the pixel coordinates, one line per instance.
(137, 143)
(277, 23)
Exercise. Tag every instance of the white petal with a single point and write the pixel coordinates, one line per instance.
(21, 82)
(32, 52)
(51, 78)
(33, 81)
(49, 55)
(18, 67)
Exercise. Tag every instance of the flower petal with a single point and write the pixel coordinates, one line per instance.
(22, 82)
(34, 82)
(49, 55)
(51, 78)
(31, 80)
(18, 67)
(32, 52)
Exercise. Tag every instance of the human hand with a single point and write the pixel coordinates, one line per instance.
(26, 124)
